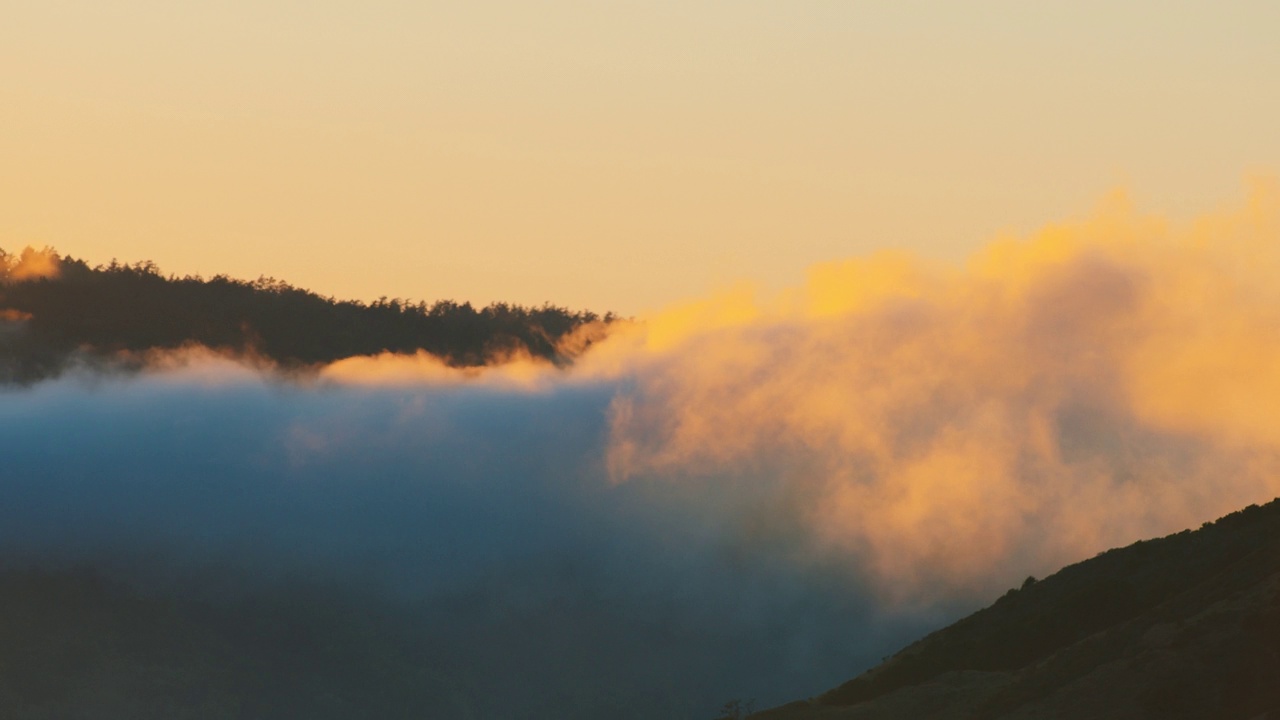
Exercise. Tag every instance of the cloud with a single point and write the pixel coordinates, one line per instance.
(760, 495)
(515, 372)
(484, 506)
(30, 264)
(1102, 381)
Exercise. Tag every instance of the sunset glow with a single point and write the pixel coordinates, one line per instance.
(571, 360)
(617, 157)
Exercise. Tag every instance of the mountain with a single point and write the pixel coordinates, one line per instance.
(1185, 626)
(65, 311)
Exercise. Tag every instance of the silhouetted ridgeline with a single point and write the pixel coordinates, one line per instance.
(1185, 626)
(52, 308)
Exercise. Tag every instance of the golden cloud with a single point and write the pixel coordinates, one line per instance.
(1096, 383)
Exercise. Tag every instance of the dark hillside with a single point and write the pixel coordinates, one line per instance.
(108, 311)
(1183, 626)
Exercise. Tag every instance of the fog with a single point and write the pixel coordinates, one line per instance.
(486, 511)
(742, 496)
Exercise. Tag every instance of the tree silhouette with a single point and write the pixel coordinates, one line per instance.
(114, 312)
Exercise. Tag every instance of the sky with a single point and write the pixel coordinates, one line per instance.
(610, 156)
(934, 296)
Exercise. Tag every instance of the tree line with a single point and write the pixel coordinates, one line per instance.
(120, 309)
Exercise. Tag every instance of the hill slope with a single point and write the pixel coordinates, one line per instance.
(1186, 626)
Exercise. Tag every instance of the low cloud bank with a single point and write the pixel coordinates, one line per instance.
(741, 496)
(484, 510)
(939, 427)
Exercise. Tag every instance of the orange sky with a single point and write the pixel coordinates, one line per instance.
(609, 155)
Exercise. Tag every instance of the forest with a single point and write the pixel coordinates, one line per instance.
(58, 310)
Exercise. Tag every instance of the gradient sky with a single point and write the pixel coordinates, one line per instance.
(610, 155)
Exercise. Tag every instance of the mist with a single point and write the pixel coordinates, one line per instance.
(479, 513)
(937, 427)
(742, 496)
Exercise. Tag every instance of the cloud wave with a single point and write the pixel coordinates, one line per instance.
(1100, 382)
(751, 492)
